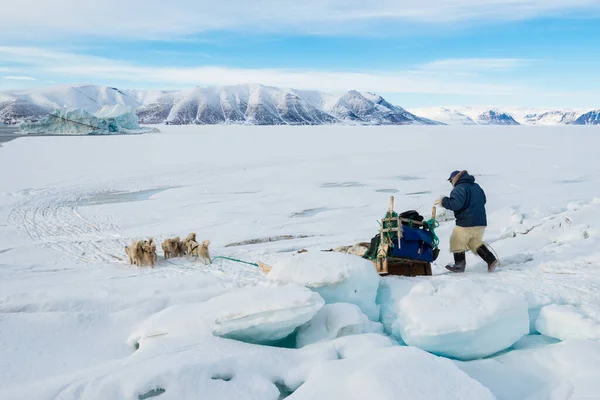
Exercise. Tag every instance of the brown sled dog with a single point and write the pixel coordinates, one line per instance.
(172, 247)
(199, 250)
(142, 252)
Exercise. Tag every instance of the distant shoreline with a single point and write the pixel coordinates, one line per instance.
(8, 133)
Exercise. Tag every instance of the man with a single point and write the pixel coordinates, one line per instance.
(467, 201)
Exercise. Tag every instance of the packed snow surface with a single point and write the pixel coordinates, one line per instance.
(78, 322)
(337, 277)
(566, 370)
(389, 374)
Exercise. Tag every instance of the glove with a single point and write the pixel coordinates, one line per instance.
(438, 202)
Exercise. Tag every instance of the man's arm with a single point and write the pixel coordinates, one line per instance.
(457, 199)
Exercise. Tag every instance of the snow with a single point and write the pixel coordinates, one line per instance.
(460, 320)
(566, 370)
(567, 322)
(446, 115)
(254, 315)
(69, 301)
(334, 321)
(527, 116)
(396, 373)
(241, 104)
(87, 97)
(337, 277)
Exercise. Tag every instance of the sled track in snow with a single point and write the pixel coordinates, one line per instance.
(52, 218)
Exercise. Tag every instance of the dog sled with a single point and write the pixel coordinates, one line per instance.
(406, 245)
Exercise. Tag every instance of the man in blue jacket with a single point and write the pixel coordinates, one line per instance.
(467, 201)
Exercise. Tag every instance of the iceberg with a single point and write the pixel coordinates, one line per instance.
(107, 120)
(122, 117)
(334, 321)
(337, 277)
(260, 315)
(458, 319)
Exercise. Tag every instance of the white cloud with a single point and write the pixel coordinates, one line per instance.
(161, 19)
(19, 78)
(476, 64)
(419, 80)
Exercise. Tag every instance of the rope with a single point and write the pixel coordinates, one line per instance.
(495, 254)
(235, 260)
(432, 224)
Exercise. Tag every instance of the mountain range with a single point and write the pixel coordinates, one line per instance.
(264, 105)
(509, 116)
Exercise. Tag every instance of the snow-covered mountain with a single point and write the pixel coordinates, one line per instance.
(251, 104)
(373, 109)
(553, 117)
(15, 110)
(492, 117)
(446, 115)
(466, 115)
(254, 104)
(589, 118)
(87, 97)
(263, 105)
(504, 115)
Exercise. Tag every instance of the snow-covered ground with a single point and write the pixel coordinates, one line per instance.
(78, 322)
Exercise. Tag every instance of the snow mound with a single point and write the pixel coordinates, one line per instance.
(260, 315)
(107, 120)
(457, 319)
(392, 373)
(334, 321)
(338, 278)
(567, 322)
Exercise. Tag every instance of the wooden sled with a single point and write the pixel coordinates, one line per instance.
(386, 265)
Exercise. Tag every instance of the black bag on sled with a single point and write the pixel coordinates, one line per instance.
(411, 215)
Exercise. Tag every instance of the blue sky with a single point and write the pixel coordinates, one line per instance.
(526, 53)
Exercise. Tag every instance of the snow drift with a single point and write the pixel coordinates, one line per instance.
(338, 278)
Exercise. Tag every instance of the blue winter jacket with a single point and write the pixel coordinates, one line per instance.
(467, 200)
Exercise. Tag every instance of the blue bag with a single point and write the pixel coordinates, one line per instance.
(416, 244)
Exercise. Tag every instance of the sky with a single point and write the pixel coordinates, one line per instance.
(415, 53)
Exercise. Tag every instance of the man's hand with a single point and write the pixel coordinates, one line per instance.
(438, 202)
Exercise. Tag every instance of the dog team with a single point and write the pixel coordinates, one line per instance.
(143, 252)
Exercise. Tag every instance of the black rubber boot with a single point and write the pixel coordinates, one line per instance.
(488, 257)
(460, 262)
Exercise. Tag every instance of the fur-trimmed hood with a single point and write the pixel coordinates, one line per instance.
(463, 177)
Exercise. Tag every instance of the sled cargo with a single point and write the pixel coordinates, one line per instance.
(406, 244)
